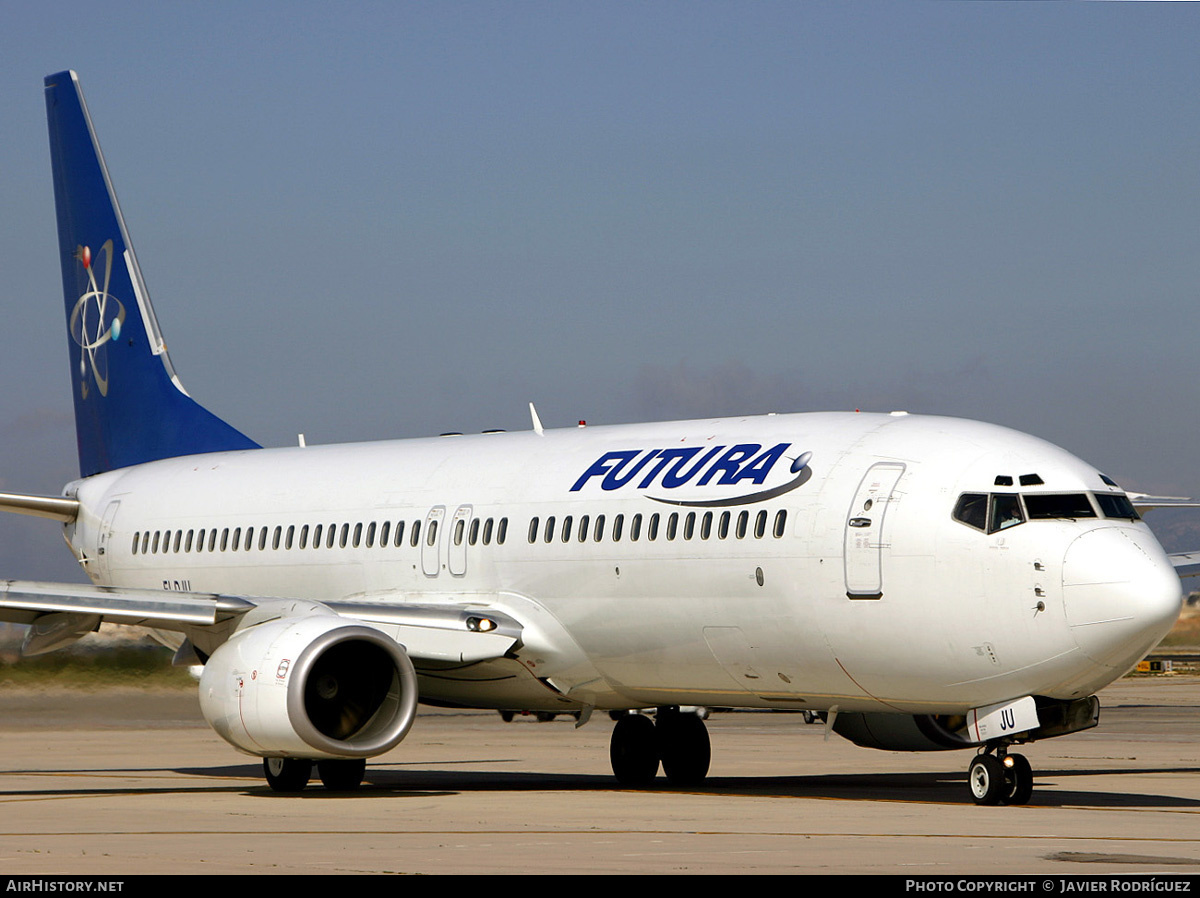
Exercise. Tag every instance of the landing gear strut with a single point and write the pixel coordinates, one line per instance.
(1000, 778)
(679, 740)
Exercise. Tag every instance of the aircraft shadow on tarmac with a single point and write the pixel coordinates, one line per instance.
(939, 788)
(393, 781)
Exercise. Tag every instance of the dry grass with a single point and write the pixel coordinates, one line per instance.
(141, 667)
(1187, 630)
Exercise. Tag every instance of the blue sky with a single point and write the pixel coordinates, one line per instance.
(376, 220)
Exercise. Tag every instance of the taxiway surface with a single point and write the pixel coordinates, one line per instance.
(126, 782)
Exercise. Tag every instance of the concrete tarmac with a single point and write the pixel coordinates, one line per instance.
(129, 782)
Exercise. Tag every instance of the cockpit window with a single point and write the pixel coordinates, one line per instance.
(972, 510)
(1113, 505)
(998, 511)
(1006, 512)
(994, 512)
(1058, 505)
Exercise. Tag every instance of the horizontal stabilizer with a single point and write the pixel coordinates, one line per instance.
(54, 507)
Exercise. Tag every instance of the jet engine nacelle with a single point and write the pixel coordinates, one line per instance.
(310, 686)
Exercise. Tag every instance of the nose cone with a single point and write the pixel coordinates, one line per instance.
(1121, 595)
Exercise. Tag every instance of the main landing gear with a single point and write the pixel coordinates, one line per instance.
(1000, 778)
(679, 740)
(293, 774)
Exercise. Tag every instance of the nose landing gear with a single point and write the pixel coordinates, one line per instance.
(1000, 778)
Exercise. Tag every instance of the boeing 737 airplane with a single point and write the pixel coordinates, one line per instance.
(918, 583)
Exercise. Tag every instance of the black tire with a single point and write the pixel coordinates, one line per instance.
(506, 716)
(545, 716)
(986, 779)
(633, 751)
(287, 774)
(1018, 781)
(342, 775)
(684, 748)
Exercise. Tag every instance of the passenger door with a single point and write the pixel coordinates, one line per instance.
(866, 523)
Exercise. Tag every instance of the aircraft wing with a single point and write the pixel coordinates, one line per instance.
(60, 613)
(1144, 503)
(25, 601)
(1187, 564)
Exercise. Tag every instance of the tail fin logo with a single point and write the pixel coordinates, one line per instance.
(96, 319)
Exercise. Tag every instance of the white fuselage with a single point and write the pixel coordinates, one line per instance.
(849, 586)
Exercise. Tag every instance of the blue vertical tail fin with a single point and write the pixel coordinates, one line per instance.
(129, 405)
